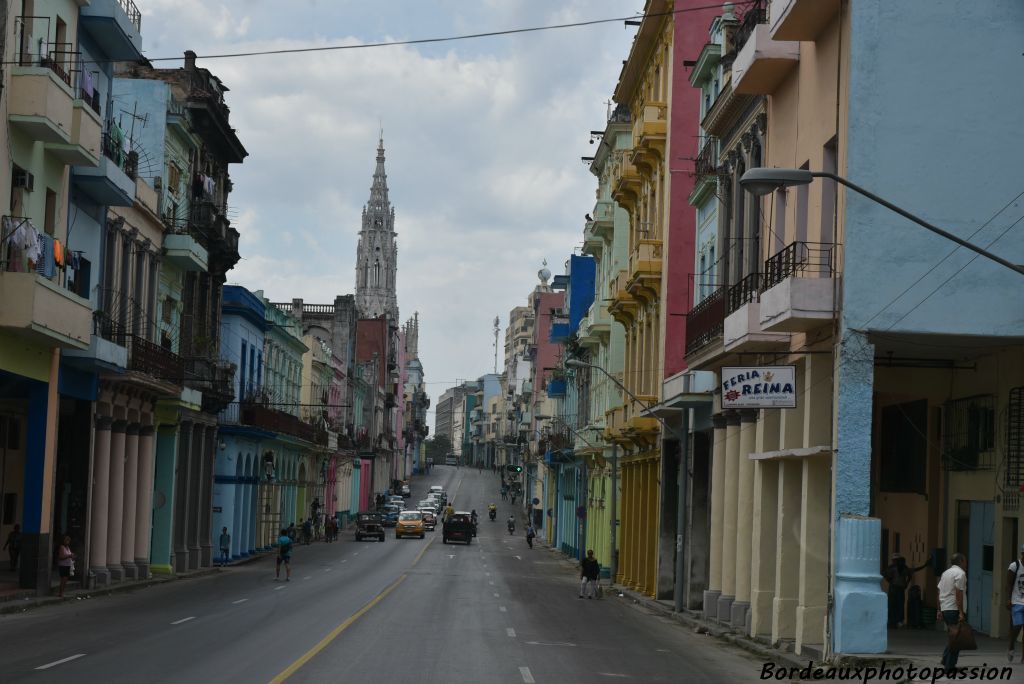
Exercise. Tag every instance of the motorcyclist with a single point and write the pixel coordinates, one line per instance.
(511, 524)
(492, 511)
(472, 517)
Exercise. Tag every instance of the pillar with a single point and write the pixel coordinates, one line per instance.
(181, 498)
(115, 507)
(765, 535)
(206, 497)
(144, 499)
(732, 465)
(787, 555)
(131, 490)
(718, 448)
(622, 566)
(161, 553)
(814, 538)
(860, 605)
(99, 502)
(194, 495)
(744, 519)
(653, 523)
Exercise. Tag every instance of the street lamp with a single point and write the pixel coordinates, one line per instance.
(762, 181)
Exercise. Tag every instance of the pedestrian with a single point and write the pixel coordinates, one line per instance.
(307, 531)
(899, 576)
(530, 534)
(13, 545)
(952, 599)
(284, 555)
(65, 564)
(513, 498)
(293, 532)
(225, 546)
(590, 570)
(1015, 604)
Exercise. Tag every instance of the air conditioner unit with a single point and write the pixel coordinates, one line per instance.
(23, 179)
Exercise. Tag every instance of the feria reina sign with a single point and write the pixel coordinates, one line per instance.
(754, 387)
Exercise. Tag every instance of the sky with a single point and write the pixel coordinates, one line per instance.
(483, 141)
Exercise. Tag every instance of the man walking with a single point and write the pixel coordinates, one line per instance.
(1015, 604)
(530, 534)
(284, 555)
(899, 575)
(225, 546)
(952, 599)
(590, 571)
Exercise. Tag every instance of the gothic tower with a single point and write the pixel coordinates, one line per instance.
(377, 257)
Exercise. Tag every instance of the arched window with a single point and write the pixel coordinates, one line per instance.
(376, 273)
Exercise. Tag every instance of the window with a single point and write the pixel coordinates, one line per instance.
(969, 427)
(903, 457)
(173, 178)
(50, 217)
(241, 371)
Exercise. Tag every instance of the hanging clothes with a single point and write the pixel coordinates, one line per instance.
(44, 264)
(87, 83)
(117, 143)
(58, 253)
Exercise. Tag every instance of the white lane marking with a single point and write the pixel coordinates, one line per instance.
(495, 594)
(308, 577)
(328, 569)
(549, 643)
(488, 574)
(502, 609)
(662, 650)
(240, 600)
(47, 666)
(356, 553)
(178, 622)
(344, 561)
(451, 555)
(518, 557)
(612, 674)
(511, 632)
(279, 588)
(527, 677)
(491, 583)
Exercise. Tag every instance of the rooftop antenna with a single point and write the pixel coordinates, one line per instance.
(497, 330)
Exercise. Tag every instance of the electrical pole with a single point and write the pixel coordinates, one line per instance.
(497, 331)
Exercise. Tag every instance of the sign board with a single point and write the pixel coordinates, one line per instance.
(217, 509)
(755, 387)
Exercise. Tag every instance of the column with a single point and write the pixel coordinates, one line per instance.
(765, 525)
(206, 497)
(100, 494)
(814, 538)
(115, 507)
(181, 498)
(732, 465)
(144, 499)
(859, 603)
(653, 525)
(621, 571)
(131, 489)
(194, 492)
(40, 470)
(161, 541)
(744, 520)
(718, 449)
(787, 555)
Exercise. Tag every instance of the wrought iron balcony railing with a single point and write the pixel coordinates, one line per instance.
(744, 292)
(801, 259)
(706, 321)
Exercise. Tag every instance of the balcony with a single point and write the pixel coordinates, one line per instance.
(645, 264)
(595, 328)
(615, 423)
(798, 288)
(83, 149)
(214, 378)
(705, 322)
(112, 181)
(742, 330)
(761, 63)
(274, 420)
(40, 104)
(42, 311)
(152, 359)
(638, 427)
(705, 170)
(625, 181)
(182, 250)
(649, 131)
(210, 220)
(623, 305)
(556, 387)
(801, 19)
(115, 25)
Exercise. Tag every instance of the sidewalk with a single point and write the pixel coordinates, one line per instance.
(14, 599)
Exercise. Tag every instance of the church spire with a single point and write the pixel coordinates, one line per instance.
(377, 256)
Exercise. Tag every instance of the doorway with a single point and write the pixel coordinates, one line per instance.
(975, 535)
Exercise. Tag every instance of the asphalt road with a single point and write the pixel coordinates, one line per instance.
(402, 611)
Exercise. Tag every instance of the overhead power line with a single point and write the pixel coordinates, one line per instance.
(442, 39)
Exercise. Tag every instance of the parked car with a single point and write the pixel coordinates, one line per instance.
(410, 524)
(435, 488)
(391, 512)
(369, 524)
(458, 527)
(429, 518)
(396, 500)
(406, 492)
(451, 460)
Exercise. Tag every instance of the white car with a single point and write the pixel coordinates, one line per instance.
(435, 489)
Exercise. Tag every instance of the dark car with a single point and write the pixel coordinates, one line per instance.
(369, 525)
(458, 527)
(390, 512)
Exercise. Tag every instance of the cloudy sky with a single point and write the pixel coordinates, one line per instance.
(483, 140)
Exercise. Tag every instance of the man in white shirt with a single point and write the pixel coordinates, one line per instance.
(952, 599)
(1015, 600)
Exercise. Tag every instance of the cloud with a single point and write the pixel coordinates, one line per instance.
(483, 143)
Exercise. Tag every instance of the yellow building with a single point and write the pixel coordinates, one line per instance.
(639, 180)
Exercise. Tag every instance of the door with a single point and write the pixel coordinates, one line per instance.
(980, 559)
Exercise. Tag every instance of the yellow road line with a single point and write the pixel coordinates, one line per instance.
(422, 551)
(323, 643)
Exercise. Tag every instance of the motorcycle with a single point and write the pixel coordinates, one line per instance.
(492, 514)
(511, 527)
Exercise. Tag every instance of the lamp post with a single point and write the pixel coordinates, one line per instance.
(683, 483)
(762, 181)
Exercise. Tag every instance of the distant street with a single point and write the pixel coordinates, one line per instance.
(401, 611)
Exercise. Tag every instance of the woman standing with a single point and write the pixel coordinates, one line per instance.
(65, 563)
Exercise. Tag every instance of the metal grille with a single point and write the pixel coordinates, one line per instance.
(969, 433)
(1015, 441)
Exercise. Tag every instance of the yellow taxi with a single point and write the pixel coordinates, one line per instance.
(410, 524)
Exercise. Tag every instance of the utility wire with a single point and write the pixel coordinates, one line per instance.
(425, 41)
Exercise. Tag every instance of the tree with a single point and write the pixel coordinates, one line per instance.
(437, 448)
